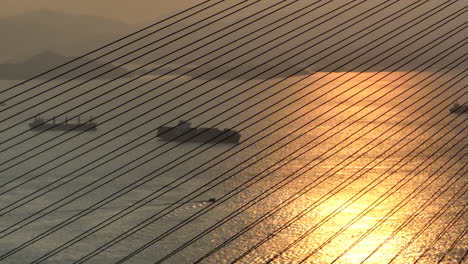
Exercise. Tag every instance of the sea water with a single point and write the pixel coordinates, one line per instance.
(359, 154)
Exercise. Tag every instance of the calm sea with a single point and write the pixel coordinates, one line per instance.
(331, 168)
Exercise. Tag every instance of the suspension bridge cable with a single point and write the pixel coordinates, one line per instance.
(401, 120)
(308, 232)
(294, 219)
(403, 203)
(118, 40)
(433, 218)
(284, 226)
(144, 103)
(150, 63)
(451, 224)
(452, 246)
(267, 214)
(153, 221)
(114, 108)
(146, 133)
(415, 214)
(121, 76)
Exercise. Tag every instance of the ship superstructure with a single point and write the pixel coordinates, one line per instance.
(40, 124)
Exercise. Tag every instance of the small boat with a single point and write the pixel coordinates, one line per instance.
(40, 124)
(459, 109)
(183, 132)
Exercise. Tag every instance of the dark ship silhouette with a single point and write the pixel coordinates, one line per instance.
(459, 109)
(184, 132)
(40, 124)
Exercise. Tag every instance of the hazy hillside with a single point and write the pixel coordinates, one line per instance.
(44, 61)
(71, 35)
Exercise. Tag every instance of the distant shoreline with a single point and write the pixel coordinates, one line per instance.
(45, 61)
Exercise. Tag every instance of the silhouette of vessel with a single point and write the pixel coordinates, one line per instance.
(459, 109)
(40, 124)
(183, 132)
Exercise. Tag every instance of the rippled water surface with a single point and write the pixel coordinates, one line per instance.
(331, 168)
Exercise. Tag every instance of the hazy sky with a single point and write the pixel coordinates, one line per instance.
(131, 11)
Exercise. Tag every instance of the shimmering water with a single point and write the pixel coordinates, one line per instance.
(375, 150)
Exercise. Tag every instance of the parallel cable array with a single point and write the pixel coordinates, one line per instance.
(145, 224)
(140, 67)
(110, 44)
(117, 115)
(356, 158)
(296, 194)
(62, 163)
(365, 212)
(440, 191)
(452, 246)
(38, 175)
(14, 228)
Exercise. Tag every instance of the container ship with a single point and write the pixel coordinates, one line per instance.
(183, 132)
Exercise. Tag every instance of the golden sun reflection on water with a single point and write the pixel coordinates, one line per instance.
(353, 233)
(362, 145)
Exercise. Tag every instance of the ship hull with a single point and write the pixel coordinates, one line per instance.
(462, 109)
(198, 135)
(64, 127)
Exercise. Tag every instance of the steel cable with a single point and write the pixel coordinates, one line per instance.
(452, 223)
(108, 140)
(126, 235)
(104, 133)
(114, 42)
(120, 77)
(359, 216)
(108, 111)
(291, 221)
(426, 204)
(308, 187)
(460, 237)
(433, 218)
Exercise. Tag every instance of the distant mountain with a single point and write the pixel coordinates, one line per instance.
(71, 35)
(47, 60)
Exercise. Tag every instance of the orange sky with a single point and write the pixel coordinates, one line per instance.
(130, 11)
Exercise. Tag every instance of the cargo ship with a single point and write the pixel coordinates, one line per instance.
(183, 132)
(40, 124)
(459, 109)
